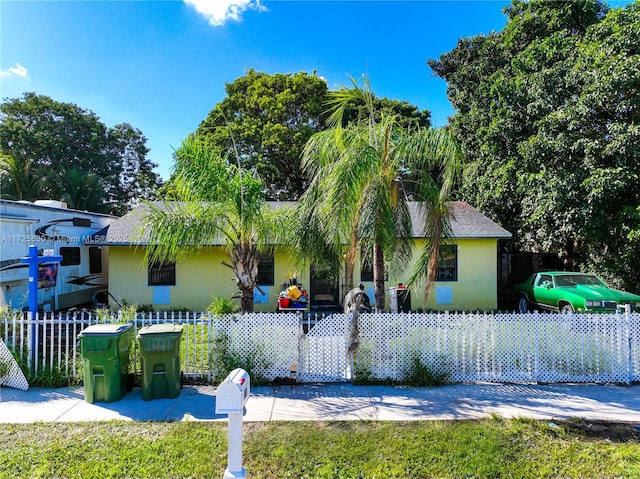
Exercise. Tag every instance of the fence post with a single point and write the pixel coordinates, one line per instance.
(134, 346)
(209, 336)
(300, 364)
(627, 315)
(536, 360)
(30, 339)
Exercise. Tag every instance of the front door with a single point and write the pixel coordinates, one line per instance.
(323, 290)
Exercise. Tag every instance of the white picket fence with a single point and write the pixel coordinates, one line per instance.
(468, 347)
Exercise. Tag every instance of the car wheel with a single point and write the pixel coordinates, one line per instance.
(567, 309)
(523, 304)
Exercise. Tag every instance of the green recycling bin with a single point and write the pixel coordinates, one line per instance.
(160, 358)
(105, 352)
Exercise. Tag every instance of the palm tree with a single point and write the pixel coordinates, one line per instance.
(216, 200)
(365, 173)
(18, 180)
(80, 190)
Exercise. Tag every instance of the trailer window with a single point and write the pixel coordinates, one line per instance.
(95, 259)
(70, 255)
(162, 274)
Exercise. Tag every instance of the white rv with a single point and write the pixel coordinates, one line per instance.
(80, 279)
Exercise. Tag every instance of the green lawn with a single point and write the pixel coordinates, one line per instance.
(491, 448)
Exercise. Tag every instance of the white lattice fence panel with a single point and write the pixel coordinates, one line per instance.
(388, 343)
(266, 342)
(634, 344)
(497, 347)
(502, 361)
(324, 355)
(10, 373)
(471, 345)
(583, 348)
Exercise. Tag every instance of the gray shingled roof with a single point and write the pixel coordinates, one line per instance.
(466, 222)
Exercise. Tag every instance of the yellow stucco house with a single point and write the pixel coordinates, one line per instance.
(467, 277)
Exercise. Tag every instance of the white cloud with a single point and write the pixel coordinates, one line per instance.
(217, 12)
(17, 70)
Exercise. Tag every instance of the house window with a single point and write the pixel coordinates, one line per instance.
(366, 268)
(366, 271)
(95, 260)
(266, 270)
(70, 255)
(162, 274)
(448, 266)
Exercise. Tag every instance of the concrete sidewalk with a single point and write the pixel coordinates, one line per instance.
(330, 402)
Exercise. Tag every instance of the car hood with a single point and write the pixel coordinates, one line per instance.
(595, 292)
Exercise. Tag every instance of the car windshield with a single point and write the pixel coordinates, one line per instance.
(576, 279)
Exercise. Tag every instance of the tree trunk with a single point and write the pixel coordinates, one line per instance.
(244, 260)
(246, 300)
(378, 276)
(349, 265)
(434, 253)
(570, 258)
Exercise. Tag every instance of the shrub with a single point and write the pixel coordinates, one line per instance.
(223, 360)
(222, 306)
(421, 375)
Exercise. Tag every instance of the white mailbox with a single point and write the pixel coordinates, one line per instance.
(233, 392)
(231, 397)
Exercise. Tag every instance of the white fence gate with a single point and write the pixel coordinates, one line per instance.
(324, 350)
(499, 347)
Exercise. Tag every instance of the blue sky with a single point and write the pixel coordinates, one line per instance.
(162, 65)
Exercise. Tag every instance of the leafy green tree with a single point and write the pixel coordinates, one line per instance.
(268, 119)
(408, 115)
(547, 120)
(50, 138)
(271, 117)
(361, 175)
(215, 200)
(136, 179)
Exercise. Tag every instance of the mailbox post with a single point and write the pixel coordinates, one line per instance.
(231, 397)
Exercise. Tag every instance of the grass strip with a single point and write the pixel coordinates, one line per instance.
(488, 448)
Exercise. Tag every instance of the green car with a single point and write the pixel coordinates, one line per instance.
(569, 292)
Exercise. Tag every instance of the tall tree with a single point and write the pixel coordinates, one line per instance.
(215, 200)
(270, 117)
(361, 174)
(50, 138)
(137, 180)
(408, 115)
(547, 118)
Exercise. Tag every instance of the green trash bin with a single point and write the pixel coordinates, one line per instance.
(160, 358)
(105, 352)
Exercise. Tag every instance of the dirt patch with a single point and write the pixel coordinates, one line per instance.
(601, 430)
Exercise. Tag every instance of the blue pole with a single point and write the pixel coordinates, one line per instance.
(34, 260)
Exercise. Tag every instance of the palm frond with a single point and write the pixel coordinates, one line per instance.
(436, 232)
(176, 229)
